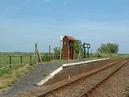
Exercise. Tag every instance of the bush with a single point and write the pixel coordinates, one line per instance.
(112, 48)
(57, 52)
(45, 57)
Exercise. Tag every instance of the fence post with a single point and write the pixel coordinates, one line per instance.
(30, 60)
(36, 56)
(21, 59)
(49, 52)
(10, 61)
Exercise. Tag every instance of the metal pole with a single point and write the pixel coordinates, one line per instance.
(87, 52)
(84, 52)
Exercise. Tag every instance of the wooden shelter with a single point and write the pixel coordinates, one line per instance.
(68, 48)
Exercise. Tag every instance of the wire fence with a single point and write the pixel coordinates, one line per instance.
(11, 60)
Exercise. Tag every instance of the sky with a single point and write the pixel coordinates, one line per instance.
(25, 22)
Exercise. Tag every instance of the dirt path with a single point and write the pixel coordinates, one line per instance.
(29, 80)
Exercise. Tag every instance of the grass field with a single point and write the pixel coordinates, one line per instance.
(8, 76)
(15, 58)
(5, 60)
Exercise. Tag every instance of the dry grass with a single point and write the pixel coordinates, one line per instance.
(7, 79)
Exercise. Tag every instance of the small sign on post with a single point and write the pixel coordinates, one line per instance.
(86, 45)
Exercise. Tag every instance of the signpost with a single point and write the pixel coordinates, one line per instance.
(86, 46)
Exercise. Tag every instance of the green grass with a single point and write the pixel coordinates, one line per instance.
(4, 60)
(115, 56)
(9, 76)
(5, 72)
(8, 71)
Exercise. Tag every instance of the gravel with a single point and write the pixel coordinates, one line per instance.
(116, 86)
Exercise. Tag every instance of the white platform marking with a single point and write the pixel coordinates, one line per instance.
(84, 62)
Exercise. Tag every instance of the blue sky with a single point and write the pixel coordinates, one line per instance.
(24, 22)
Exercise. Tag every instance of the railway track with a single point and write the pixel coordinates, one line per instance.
(85, 85)
(99, 83)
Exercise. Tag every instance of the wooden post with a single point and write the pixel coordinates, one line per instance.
(21, 59)
(79, 55)
(68, 50)
(30, 60)
(91, 53)
(61, 42)
(10, 61)
(36, 56)
(49, 52)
